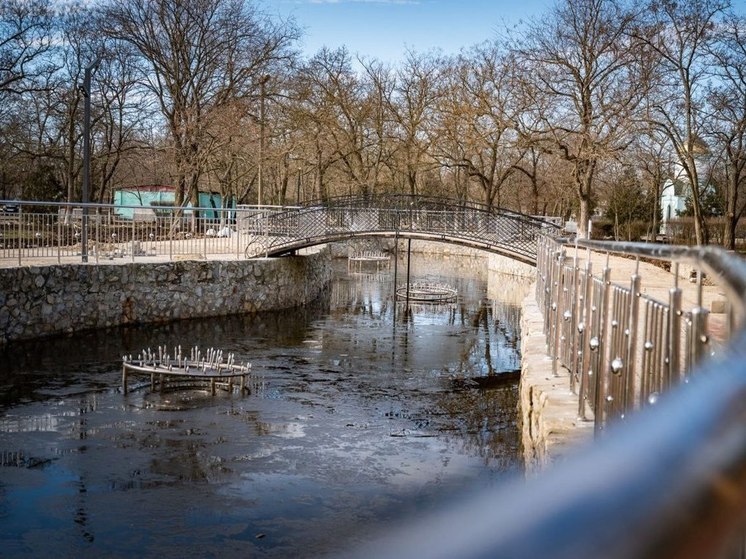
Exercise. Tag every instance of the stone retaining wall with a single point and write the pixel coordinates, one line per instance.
(510, 266)
(45, 300)
(548, 409)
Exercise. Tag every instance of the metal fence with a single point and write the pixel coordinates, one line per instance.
(103, 232)
(622, 346)
(75, 232)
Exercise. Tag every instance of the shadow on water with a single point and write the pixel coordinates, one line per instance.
(356, 420)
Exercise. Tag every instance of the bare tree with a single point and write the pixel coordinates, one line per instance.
(200, 54)
(26, 30)
(25, 38)
(681, 35)
(477, 121)
(313, 108)
(410, 99)
(232, 157)
(343, 109)
(651, 156)
(586, 70)
(122, 110)
(77, 48)
(728, 102)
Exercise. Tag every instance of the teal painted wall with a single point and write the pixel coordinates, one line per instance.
(148, 198)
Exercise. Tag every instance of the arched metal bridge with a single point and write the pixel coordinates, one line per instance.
(276, 232)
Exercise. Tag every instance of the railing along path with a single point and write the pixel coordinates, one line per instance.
(625, 344)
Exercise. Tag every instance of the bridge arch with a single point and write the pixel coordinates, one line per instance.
(274, 232)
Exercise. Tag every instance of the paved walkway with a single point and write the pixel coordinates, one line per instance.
(655, 282)
(12, 262)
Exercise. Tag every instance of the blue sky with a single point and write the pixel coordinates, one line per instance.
(384, 29)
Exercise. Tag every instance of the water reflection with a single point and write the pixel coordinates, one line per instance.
(360, 419)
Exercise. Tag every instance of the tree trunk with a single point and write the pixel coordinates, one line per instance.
(583, 174)
(412, 181)
(700, 229)
(731, 218)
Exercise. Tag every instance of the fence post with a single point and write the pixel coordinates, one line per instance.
(699, 339)
(202, 224)
(631, 333)
(557, 309)
(552, 256)
(674, 337)
(238, 234)
(583, 330)
(20, 233)
(577, 299)
(59, 239)
(602, 373)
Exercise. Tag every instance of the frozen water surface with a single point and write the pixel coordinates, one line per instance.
(359, 421)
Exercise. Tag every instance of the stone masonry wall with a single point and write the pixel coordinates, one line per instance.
(45, 300)
(548, 409)
(510, 266)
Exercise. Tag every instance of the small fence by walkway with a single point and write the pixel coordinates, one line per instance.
(626, 344)
(68, 233)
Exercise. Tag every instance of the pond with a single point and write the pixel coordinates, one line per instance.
(362, 415)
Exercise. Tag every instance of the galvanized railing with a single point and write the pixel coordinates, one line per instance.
(104, 232)
(623, 345)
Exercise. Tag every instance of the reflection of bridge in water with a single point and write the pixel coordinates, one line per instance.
(458, 222)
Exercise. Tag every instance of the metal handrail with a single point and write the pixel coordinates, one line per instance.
(726, 265)
(422, 217)
(32, 232)
(624, 347)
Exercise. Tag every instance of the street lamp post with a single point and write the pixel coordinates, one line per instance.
(86, 155)
(297, 188)
(262, 96)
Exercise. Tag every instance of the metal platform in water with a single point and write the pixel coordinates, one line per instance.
(427, 293)
(357, 261)
(166, 370)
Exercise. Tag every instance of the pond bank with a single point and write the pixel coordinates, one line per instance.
(45, 300)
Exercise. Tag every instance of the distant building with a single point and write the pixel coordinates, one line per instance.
(128, 200)
(673, 201)
(677, 190)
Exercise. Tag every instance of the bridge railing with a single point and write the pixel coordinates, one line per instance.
(474, 223)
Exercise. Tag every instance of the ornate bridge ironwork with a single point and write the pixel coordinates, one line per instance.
(512, 234)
